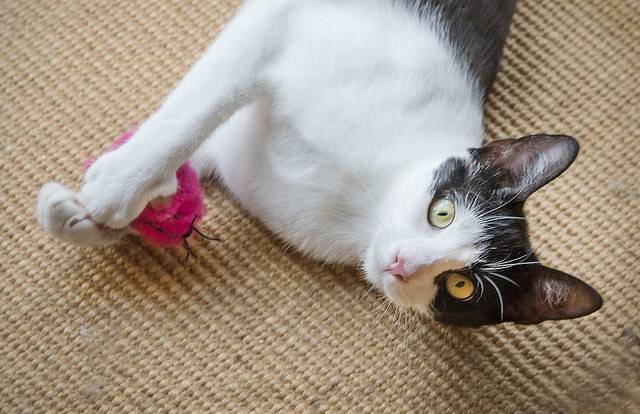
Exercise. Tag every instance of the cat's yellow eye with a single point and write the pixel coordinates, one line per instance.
(442, 212)
(460, 287)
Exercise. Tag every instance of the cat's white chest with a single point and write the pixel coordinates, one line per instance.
(356, 99)
(358, 80)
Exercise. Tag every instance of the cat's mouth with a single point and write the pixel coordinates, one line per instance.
(415, 289)
(405, 273)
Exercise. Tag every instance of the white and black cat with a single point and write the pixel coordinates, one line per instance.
(353, 130)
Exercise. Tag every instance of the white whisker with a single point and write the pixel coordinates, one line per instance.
(481, 284)
(506, 266)
(385, 309)
(501, 205)
(492, 219)
(499, 298)
(505, 278)
(505, 263)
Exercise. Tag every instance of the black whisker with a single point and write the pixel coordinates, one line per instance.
(204, 236)
(190, 253)
(185, 238)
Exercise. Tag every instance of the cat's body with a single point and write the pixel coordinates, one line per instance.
(332, 122)
(305, 160)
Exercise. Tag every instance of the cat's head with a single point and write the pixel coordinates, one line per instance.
(453, 240)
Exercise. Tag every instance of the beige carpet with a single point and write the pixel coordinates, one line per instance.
(248, 327)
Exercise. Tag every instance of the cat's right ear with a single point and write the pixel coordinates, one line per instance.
(550, 295)
(528, 163)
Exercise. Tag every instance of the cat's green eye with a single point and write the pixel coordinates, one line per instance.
(460, 287)
(441, 213)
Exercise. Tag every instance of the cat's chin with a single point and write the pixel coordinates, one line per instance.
(419, 290)
(415, 295)
(412, 294)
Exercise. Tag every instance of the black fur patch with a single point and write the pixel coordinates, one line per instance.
(477, 28)
(505, 239)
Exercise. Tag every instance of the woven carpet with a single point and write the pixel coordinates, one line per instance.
(249, 327)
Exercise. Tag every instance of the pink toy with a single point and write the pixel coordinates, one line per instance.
(170, 223)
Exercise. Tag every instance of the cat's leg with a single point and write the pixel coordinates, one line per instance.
(237, 156)
(236, 148)
(229, 75)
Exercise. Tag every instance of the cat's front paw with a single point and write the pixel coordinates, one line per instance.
(62, 215)
(119, 185)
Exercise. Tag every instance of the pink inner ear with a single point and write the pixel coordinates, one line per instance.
(531, 162)
(553, 295)
(167, 225)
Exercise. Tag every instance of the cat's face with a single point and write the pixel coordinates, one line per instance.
(455, 245)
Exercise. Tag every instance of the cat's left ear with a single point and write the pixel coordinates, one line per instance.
(550, 295)
(528, 163)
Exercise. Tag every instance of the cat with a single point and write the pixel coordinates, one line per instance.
(353, 129)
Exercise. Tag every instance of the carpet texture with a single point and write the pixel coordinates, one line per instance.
(249, 327)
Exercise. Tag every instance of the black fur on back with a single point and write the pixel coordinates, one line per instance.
(478, 29)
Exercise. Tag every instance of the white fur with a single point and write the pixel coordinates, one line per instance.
(326, 120)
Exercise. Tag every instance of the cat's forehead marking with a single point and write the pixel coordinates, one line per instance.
(460, 176)
(504, 233)
(477, 187)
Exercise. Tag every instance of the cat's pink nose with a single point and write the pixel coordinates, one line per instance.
(398, 269)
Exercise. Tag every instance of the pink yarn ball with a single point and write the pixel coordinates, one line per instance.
(168, 225)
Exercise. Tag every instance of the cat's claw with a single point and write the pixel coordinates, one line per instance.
(61, 214)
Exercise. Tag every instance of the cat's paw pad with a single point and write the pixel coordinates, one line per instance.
(118, 187)
(63, 216)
